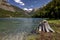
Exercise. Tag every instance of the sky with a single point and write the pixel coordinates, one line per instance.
(28, 5)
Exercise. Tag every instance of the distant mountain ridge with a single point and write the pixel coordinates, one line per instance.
(8, 10)
(6, 6)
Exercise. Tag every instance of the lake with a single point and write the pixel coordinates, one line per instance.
(17, 28)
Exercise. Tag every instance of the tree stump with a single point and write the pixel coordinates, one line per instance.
(45, 30)
(45, 27)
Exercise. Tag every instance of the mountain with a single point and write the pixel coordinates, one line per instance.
(6, 6)
(33, 11)
(8, 10)
(51, 10)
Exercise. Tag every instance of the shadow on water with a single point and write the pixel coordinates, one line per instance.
(17, 28)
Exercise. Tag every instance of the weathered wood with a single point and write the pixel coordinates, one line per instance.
(45, 27)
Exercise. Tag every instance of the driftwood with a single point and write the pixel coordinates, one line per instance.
(45, 27)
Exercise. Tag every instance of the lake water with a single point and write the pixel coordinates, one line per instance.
(17, 28)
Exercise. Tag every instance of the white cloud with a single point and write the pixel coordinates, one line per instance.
(17, 1)
(25, 9)
(30, 9)
(20, 2)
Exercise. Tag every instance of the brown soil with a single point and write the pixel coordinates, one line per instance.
(48, 36)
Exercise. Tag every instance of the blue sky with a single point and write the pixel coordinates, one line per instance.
(28, 4)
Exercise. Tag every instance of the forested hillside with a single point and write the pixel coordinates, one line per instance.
(51, 10)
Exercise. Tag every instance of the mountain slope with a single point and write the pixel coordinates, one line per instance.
(51, 10)
(6, 6)
(7, 10)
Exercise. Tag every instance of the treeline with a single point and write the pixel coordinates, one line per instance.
(51, 10)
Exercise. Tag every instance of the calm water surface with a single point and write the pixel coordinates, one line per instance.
(17, 28)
